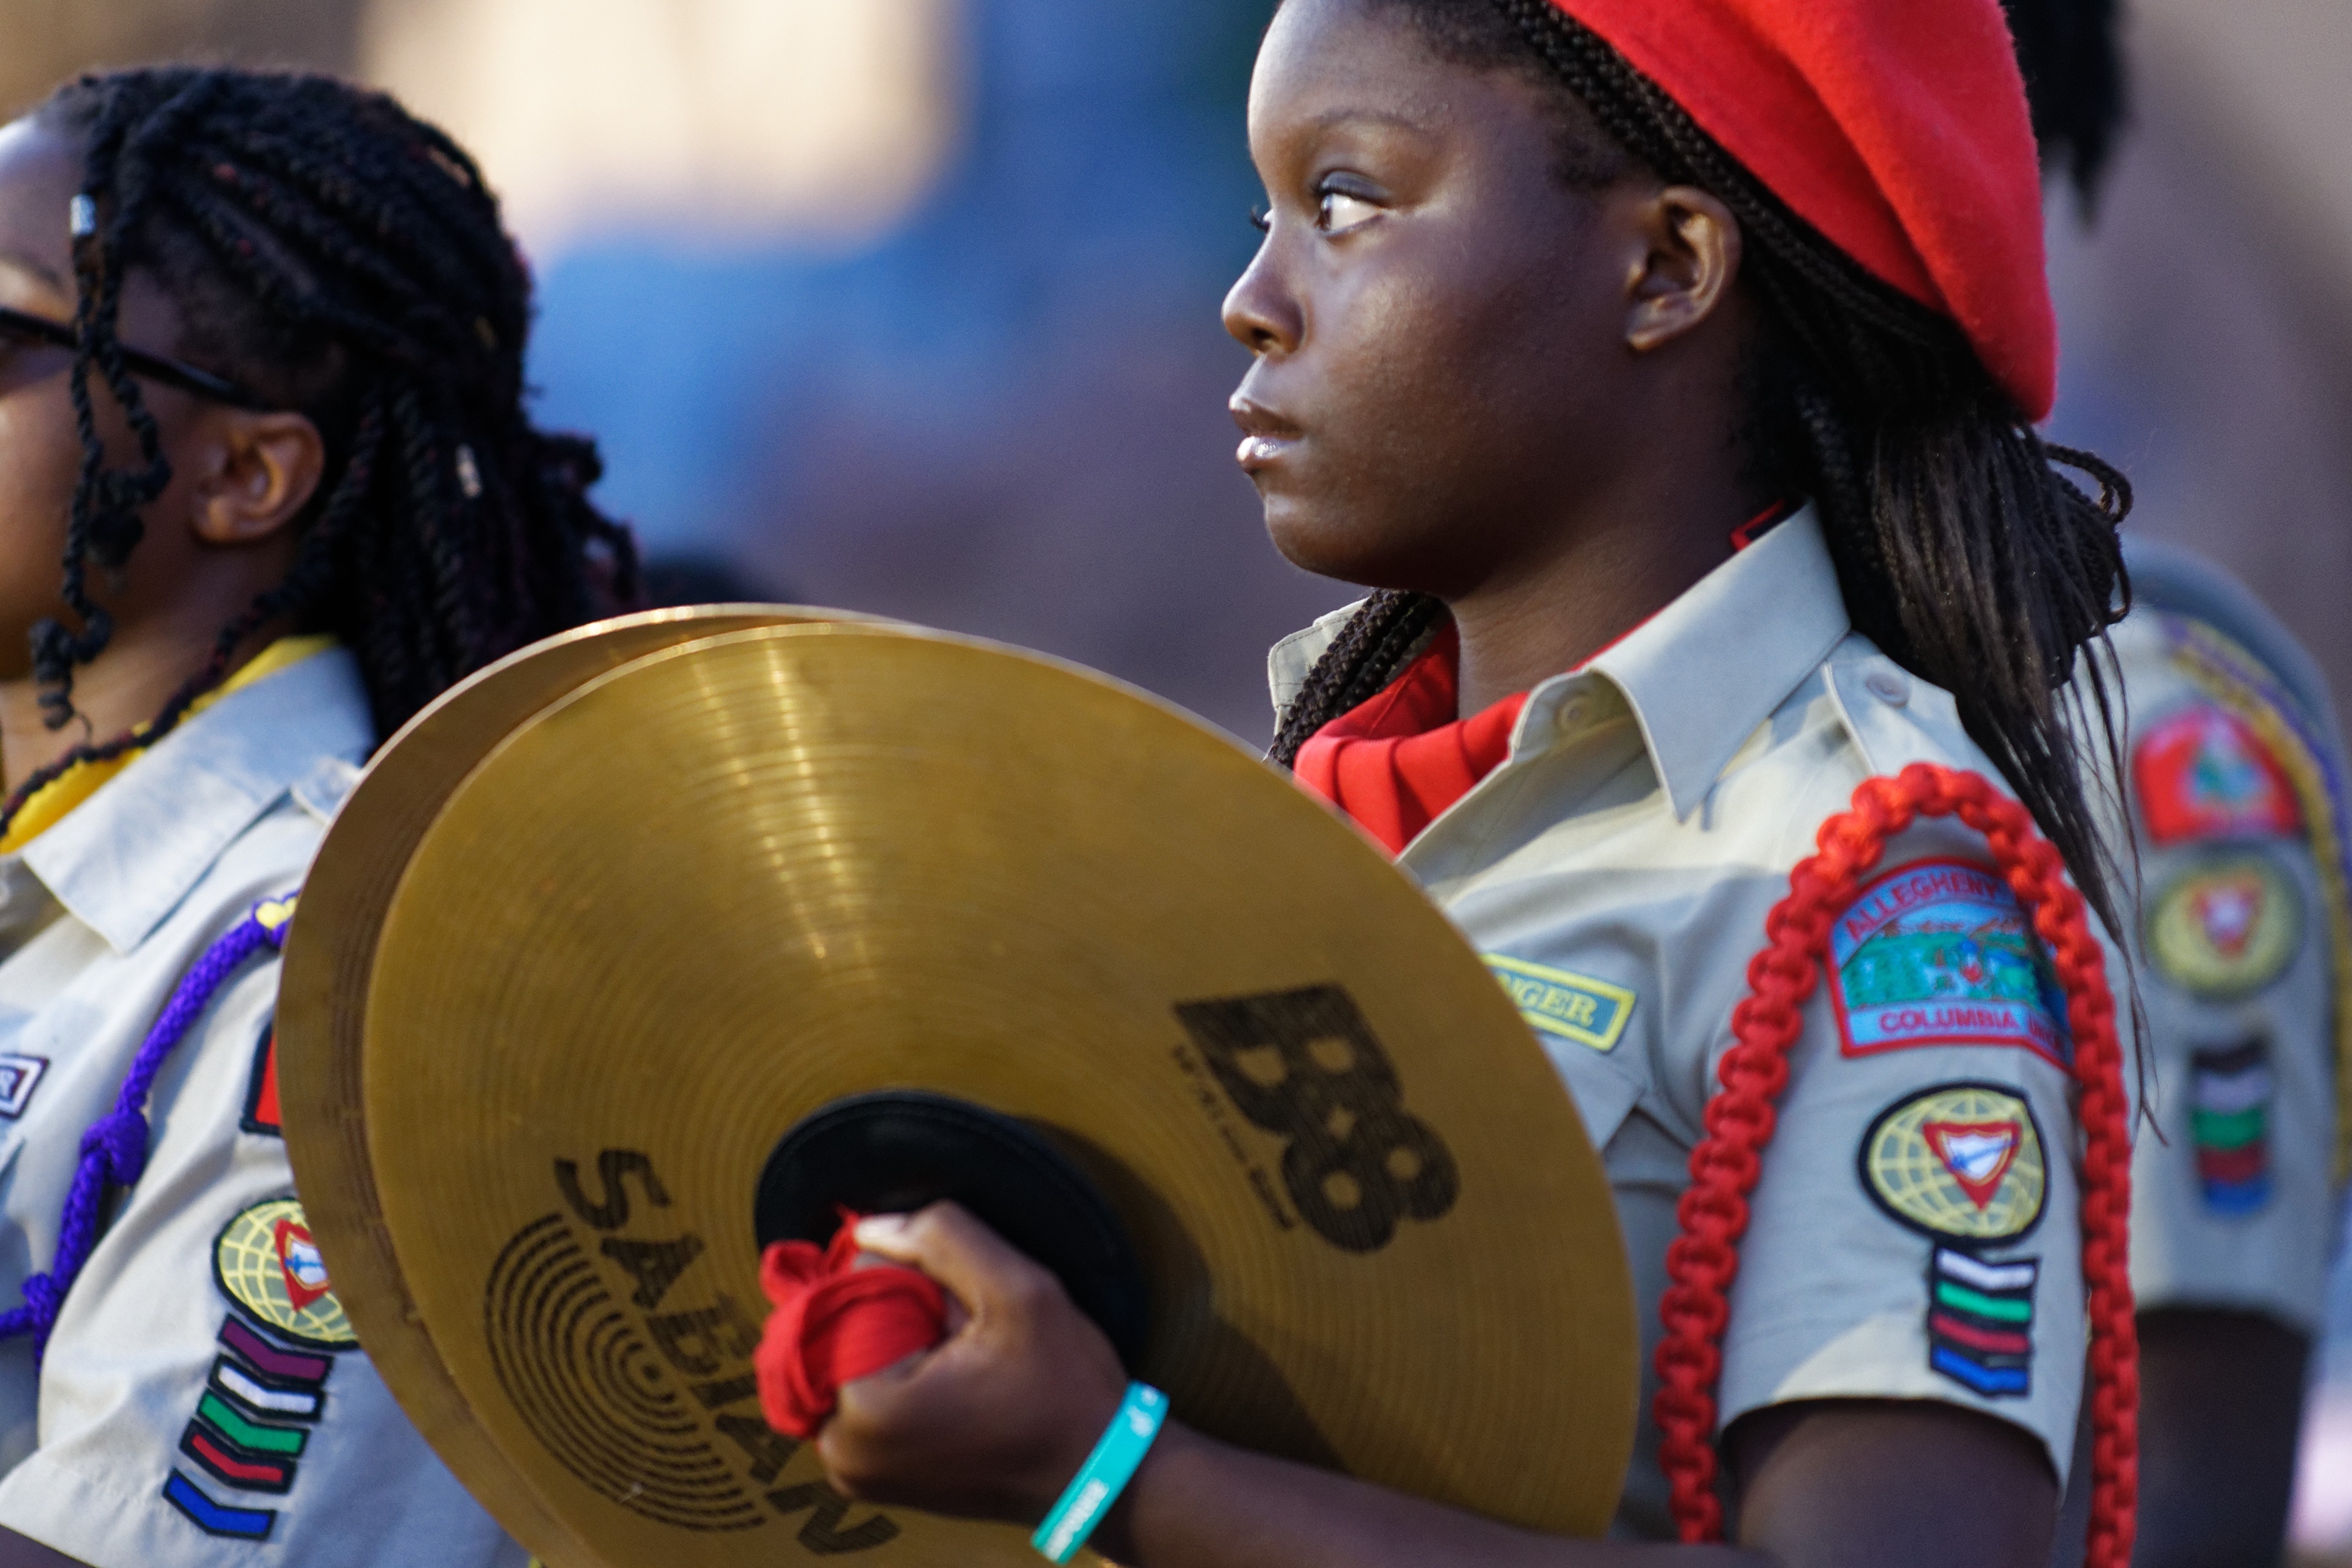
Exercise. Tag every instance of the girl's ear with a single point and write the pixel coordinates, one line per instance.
(1690, 255)
(263, 470)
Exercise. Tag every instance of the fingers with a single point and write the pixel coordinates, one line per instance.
(978, 1267)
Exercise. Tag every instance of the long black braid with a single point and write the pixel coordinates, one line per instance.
(1961, 551)
(333, 255)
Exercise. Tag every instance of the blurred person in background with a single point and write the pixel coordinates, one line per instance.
(2234, 771)
(262, 393)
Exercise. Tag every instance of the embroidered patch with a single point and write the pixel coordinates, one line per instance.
(19, 1076)
(1939, 953)
(215, 1518)
(267, 1263)
(1962, 1162)
(1572, 1006)
(2204, 773)
(2227, 928)
(261, 1087)
(1980, 1322)
(2230, 1094)
(251, 1425)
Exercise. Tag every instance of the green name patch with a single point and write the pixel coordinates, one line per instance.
(1573, 1006)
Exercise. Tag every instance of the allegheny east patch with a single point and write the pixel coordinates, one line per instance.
(1939, 953)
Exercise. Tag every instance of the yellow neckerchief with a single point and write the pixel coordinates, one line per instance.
(51, 803)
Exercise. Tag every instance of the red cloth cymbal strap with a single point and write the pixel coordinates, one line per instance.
(1898, 128)
(834, 1323)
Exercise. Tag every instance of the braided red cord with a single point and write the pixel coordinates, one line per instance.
(1704, 1259)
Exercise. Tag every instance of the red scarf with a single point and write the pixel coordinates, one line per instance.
(1395, 762)
(1398, 761)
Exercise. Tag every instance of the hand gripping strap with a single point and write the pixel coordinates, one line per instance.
(114, 1149)
(1702, 1261)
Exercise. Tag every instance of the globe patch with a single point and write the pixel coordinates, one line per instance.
(1939, 953)
(2204, 773)
(1962, 1163)
(268, 1264)
(2227, 928)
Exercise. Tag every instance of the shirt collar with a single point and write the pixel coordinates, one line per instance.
(123, 861)
(1704, 672)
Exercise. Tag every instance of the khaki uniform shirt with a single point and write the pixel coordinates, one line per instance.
(2238, 941)
(203, 1401)
(1914, 1235)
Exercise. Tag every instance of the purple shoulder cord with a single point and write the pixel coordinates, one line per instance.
(114, 1149)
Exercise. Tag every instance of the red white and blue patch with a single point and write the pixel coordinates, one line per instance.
(2204, 773)
(1939, 953)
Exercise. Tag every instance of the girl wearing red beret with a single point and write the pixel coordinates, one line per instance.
(1668, 371)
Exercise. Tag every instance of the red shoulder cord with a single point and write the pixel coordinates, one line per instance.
(1704, 1259)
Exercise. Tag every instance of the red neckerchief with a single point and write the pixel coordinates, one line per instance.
(1395, 762)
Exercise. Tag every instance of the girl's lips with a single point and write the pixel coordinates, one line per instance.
(1259, 451)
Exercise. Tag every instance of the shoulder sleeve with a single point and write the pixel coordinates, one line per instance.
(203, 1400)
(1913, 1234)
(2242, 938)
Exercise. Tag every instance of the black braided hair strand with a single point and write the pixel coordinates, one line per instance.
(1960, 550)
(339, 257)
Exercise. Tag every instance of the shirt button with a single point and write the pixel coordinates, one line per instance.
(1572, 714)
(1890, 687)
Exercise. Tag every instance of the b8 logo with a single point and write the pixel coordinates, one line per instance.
(1306, 1066)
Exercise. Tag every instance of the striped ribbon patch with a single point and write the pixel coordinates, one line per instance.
(2230, 1094)
(1980, 1322)
(249, 1427)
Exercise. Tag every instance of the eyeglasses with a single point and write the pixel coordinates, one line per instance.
(24, 326)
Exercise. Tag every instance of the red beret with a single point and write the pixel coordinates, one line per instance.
(1898, 128)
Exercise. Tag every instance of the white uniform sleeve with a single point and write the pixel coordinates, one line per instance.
(203, 1400)
(1914, 1231)
(2233, 1206)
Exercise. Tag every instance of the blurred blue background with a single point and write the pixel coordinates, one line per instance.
(1006, 415)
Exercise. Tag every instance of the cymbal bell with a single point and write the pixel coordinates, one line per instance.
(729, 883)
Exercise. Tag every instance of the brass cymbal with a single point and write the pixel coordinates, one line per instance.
(332, 947)
(731, 882)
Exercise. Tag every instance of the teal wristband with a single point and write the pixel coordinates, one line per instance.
(1104, 1474)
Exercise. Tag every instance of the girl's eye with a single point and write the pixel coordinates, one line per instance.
(1342, 211)
(1262, 217)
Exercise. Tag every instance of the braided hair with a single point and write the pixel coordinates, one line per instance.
(330, 254)
(2074, 69)
(1961, 551)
